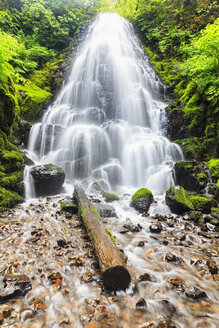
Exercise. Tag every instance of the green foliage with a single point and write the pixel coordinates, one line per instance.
(214, 168)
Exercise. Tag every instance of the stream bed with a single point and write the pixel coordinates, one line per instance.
(173, 265)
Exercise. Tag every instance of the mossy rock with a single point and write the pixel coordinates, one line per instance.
(8, 199)
(12, 181)
(110, 197)
(213, 165)
(178, 200)
(191, 175)
(142, 200)
(195, 216)
(69, 207)
(203, 204)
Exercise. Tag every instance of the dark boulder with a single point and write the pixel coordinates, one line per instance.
(175, 123)
(142, 200)
(178, 201)
(191, 175)
(48, 179)
(23, 132)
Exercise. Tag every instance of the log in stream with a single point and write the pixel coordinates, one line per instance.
(112, 263)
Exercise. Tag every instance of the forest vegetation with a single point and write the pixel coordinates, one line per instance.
(181, 38)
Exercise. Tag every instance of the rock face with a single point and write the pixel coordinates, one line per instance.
(142, 200)
(191, 175)
(48, 179)
(178, 201)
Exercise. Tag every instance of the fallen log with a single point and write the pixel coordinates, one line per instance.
(112, 263)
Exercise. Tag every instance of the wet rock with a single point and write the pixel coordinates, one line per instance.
(172, 258)
(156, 228)
(170, 223)
(160, 217)
(141, 305)
(169, 308)
(15, 286)
(38, 304)
(178, 201)
(129, 226)
(180, 235)
(196, 293)
(110, 197)
(146, 277)
(105, 210)
(27, 314)
(191, 175)
(211, 264)
(62, 243)
(48, 179)
(177, 284)
(6, 312)
(69, 206)
(142, 200)
(140, 243)
(162, 324)
(22, 133)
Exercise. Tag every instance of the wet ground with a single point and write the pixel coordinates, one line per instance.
(173, 265)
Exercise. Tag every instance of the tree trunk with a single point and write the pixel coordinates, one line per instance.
(112, 263)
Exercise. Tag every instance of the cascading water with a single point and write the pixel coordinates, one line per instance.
(105, 125)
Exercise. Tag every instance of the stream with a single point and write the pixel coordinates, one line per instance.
(107, 127)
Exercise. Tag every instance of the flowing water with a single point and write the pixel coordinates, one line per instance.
(106, 126)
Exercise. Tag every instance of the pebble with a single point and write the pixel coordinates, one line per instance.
(196, 293)
(156, 228)
(212, 266)
(141, 305)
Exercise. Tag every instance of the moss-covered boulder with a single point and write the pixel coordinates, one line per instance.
(178, 200)
(213, 165)
(48, 179)
(8, 199)
(203, 204)
(191, 175)
(217, 191)
(110, 197)
(142, 200)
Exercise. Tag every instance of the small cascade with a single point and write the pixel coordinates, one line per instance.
(106, 123)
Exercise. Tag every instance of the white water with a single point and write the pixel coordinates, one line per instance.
(105, 125)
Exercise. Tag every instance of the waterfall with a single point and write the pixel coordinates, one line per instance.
(105, 124)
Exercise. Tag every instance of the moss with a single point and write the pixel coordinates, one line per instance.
(215, 210)
(180, 196)
(203, 204)
(12, 160)
(193, 148)
(8, 199)
(54, 167)
(201, 176)
(213, 165)
(217, 191)
(141, 193)
(111, 235)
(34, 100)
(195, 216)
(94, 210)
(210, 130)
(110, 197)
(11, 181)
(69, 207)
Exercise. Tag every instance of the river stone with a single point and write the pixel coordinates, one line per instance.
(178, 201)
(14, 286)
(191, 175)
(142, 200)
(48, 179)
(105, 210)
